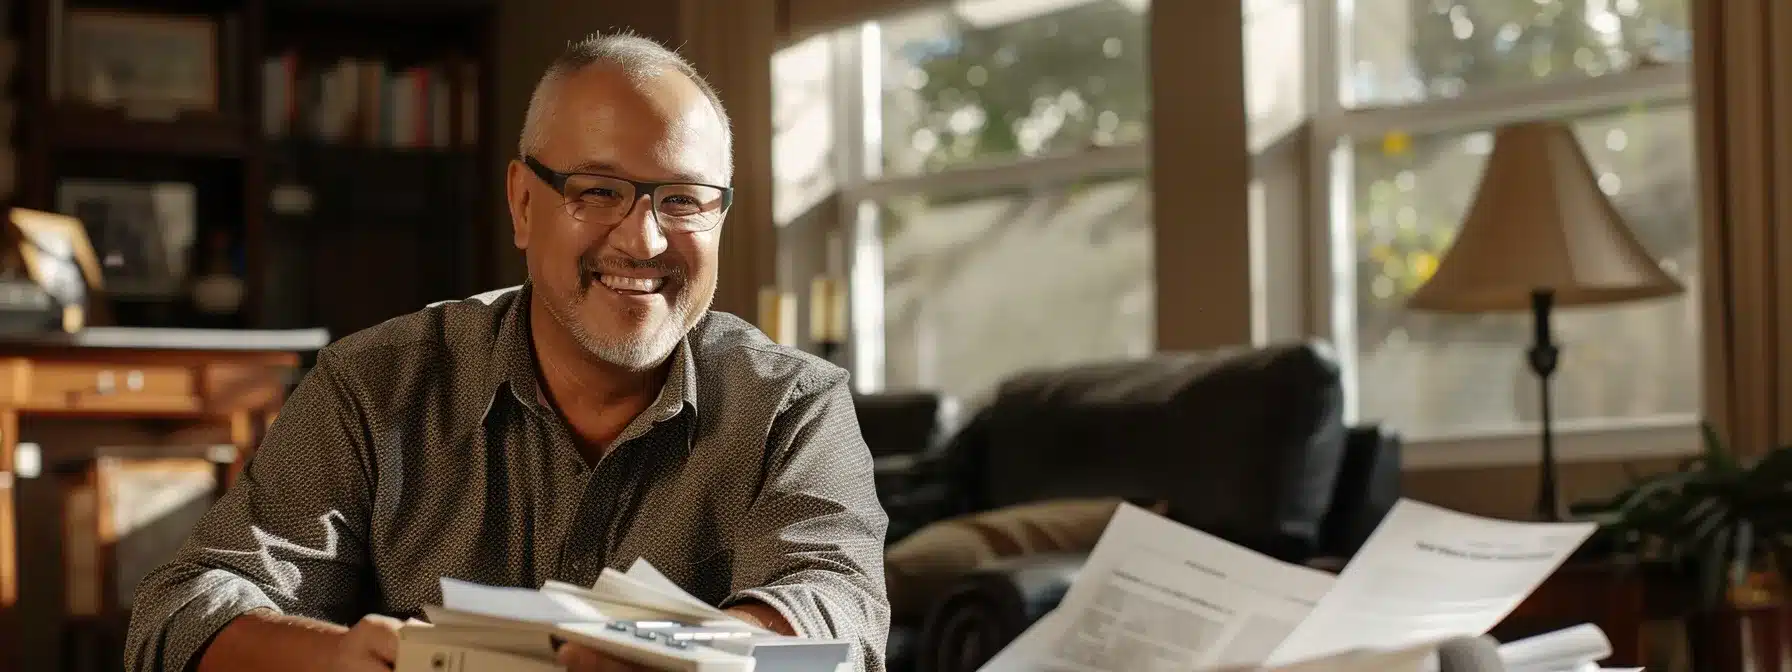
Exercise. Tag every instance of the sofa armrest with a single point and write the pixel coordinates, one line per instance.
(986, 609)
(1367, 486)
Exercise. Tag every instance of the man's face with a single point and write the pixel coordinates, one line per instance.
(627, 291)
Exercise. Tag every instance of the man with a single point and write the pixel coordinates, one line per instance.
(597, 414)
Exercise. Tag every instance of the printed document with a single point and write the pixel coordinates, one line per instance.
(1157, 595)
(1428, 574)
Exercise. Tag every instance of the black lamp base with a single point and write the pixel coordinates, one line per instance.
(1543, 356)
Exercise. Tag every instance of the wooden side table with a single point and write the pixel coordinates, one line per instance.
(110, 375)
(1594, 593)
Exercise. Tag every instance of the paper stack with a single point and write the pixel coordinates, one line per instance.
(1155, 595)
(638, 616)
(1576, 649)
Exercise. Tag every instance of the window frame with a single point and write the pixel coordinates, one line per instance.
(1330, 314)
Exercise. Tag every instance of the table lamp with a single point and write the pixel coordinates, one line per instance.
(1539, 234)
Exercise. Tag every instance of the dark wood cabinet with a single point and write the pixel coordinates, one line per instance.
(339, 231)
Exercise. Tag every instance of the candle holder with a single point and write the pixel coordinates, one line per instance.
(827, 316)
(830, 350)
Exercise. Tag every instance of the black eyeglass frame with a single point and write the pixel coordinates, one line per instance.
(558, 180)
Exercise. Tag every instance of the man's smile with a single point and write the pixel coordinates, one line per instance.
(627, 285)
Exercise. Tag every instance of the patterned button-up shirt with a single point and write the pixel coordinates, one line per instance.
(421, 448)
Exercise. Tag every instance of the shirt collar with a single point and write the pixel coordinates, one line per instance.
(513, 367)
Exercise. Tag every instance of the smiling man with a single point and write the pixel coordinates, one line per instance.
(597, 414)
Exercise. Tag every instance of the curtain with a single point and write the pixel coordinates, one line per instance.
(1743, 87)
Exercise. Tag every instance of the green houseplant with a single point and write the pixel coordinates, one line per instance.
(1714, 516)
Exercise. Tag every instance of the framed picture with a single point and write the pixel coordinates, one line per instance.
(59, 258)
(149, 64)
(142, 232)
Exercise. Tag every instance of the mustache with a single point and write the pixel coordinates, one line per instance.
(589, 267)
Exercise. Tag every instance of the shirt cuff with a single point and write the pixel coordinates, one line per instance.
(797, 604)
(189, 628)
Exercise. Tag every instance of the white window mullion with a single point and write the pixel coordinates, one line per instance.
(1055, 169)
(1337, 264)
(848, 101)
(868, 97)
(858, 139)
(1327, 197)
(1491, 107)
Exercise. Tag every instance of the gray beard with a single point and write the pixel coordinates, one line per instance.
(635, 353)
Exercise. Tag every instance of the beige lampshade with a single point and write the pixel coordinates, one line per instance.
(1540, 221)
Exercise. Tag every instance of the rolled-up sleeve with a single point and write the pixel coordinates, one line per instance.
(289, 535)
(813, 547)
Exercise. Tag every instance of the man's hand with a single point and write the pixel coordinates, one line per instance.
(577, 658)
(268, 641)
(370, 646)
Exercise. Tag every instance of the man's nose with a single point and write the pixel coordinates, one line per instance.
(638, 235)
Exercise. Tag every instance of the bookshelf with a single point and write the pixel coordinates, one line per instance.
(286, 163)
(296, 163)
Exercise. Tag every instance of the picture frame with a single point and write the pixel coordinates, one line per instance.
(142, 232)
(148, 64)
(58, 257)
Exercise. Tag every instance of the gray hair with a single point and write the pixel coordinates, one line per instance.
(637, 56)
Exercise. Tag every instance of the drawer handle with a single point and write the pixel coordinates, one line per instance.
(106, 382)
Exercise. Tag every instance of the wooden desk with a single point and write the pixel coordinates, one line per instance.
(109, 374)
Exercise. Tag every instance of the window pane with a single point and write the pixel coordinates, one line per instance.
(1438, 375)
(802, 127)
(1002, 79)
(1275, 51)
(978, 288)
(1404, 50)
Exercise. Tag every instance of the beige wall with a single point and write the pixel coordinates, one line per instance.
(1200, 175)
(530, 34)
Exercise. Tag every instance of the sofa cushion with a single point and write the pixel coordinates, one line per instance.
(1244, 444)
(919, 568)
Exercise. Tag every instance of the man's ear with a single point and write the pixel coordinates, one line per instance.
(516, 192)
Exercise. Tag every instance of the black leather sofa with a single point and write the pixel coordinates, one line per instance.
(1246, 444)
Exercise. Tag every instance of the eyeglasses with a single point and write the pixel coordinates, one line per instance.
(678, 207)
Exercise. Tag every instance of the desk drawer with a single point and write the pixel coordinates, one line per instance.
(77, 386)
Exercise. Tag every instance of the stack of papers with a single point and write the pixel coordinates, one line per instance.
(638, 616)
(1155, 596)
(1576, 649)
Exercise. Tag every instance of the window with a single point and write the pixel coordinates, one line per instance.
(1404, 136)
(1275, 56)
(1000, 80)
(981, 285)
(991, 178)
(1408, 50)
(803, 128)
